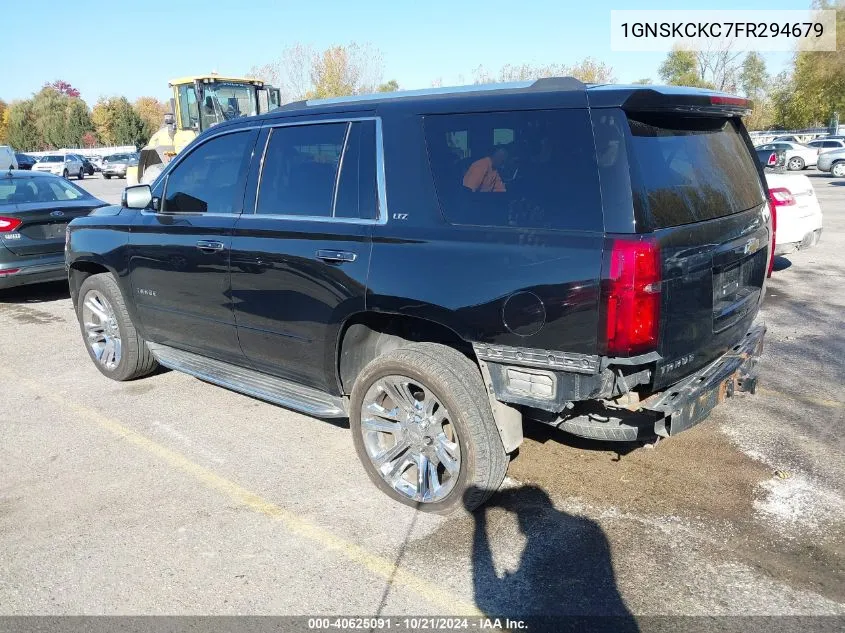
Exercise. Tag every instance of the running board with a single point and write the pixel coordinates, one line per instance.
(250, 382)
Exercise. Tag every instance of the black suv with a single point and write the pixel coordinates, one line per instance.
(438, 265)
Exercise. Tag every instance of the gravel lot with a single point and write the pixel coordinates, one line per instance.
(172, 496)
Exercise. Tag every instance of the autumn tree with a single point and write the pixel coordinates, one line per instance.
(816, 88)
(151, 111)
(302, 72)
(63, 87)
(117, 123)
(4, 121)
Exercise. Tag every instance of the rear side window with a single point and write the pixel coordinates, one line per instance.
(320, 170)
(689, 170)
(524, 169)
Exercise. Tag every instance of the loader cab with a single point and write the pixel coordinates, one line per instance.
(203, 102)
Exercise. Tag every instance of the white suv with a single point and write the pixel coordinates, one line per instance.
(62, 165)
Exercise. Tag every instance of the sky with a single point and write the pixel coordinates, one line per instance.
(134, 48)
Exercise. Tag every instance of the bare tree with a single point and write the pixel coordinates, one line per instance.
(588, 70)
(301, 71)
(719, 65)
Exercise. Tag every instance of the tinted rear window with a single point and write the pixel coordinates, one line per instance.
(689, 170)
(524, 169)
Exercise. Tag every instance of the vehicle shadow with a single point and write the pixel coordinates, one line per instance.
(565, 579)
(36, 293)
(781, 263)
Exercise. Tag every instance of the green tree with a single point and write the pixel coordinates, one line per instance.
(753, 77)
(22, 133)
(78, 123)
(127, 126)
(102, 115)
(680, 68)
(49, 109)
(645, 81)
(390, 86)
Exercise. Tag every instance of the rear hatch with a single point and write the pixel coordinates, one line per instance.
(698, 193)
(42, 221)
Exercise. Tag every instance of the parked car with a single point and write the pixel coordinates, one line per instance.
(25, 161)
(825, 144)
(61, 165)
(833, 162)
(35, 209)
(96, 161)
(789, 138)
(772, 158)
(87, 166)
(798, 156)
(7, 158)
(116, 164)
(799, 215)
(438, 267)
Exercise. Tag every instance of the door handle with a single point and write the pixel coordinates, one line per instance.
(210, 246)
(336, 256)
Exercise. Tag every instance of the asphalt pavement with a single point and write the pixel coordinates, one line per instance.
(168, 495)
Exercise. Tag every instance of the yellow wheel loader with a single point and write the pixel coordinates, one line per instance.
(198, 103)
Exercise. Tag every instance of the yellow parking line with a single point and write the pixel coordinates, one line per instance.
(378, 565)
(820, 402)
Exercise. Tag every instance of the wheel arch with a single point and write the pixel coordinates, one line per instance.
(80, 269)
(367, 335)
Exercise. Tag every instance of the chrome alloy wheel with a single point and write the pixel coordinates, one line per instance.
(101, 330)
(410, 439)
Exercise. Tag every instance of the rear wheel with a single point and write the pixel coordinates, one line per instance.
(796, 163)
(838, 169)
(424, 431)
(111, 339)
(107, 176)
(81, 174)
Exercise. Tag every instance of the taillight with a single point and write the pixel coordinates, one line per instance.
(773, 159)
(730, 101)
(781, 197)
(630, 297)
(8, 224)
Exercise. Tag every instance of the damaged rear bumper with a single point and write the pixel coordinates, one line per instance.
(689, 401)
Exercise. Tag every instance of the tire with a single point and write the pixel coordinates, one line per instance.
(81, 174)
(65, 174)
(455, 382)
(107, 176)
(135, 359)
(838, 169)
(796, 163)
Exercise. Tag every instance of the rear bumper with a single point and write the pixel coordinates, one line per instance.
(115, 172)
(689, 401)
(33, 271)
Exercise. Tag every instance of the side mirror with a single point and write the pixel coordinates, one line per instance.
(137, 197)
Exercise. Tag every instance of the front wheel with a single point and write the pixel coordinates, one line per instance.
(64, 174)
(796, 163)
(838, 169)
(111, 339)
(107, 176)
(80, 175)
(423, 428)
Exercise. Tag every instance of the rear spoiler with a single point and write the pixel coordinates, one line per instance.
(698, 103)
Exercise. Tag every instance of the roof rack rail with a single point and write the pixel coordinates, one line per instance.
(547, 83)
